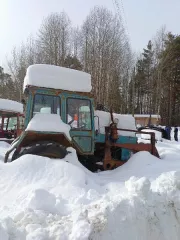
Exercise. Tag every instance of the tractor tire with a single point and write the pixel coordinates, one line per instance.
(51, 150)
(15, 155)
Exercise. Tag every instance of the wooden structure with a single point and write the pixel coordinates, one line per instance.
(144, 119)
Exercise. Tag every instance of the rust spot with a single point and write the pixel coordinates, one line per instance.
(32, 137)
(59, 91)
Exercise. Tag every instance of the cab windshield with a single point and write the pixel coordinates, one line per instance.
(46, 104)
(79, 114)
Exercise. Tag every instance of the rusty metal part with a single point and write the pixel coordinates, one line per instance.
(150, 147)
(31, 137)
(56, 92)
(114, 132)
(142, 146)
(113, 128)
(137, 147)
(111, 114)
(109, 163)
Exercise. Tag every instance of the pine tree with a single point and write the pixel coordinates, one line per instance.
(170, 59)
(72, 62)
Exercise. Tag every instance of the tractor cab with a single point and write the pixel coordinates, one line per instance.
(66, 93)
(11, 120)
(74, 109)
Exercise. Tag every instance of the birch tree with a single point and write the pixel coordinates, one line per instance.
(103, 55)
(54, 38)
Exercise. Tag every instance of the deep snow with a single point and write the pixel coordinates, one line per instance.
(43, 199)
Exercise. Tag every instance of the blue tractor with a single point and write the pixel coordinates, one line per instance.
(67, 93)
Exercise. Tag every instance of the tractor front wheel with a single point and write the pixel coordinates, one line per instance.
(51, 150)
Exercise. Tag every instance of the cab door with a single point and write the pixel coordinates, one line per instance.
(79, 115)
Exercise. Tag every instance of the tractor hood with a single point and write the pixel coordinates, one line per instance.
(48, 123)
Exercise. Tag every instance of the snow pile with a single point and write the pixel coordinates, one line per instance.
(158, 135)
(147, 116)
(124, 121)
(3, 233)
(49, 76)
(46, 110)
(51, 123)
(43, 199)
(9, 105)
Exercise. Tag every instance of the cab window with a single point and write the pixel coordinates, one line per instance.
(79, 114)
(11, 123)
(46, 104)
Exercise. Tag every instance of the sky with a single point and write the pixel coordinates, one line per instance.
(22, 18)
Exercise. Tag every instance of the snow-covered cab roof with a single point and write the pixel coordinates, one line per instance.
(10, 106)
(49, 76)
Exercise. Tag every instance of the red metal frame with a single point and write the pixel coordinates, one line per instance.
(9, 135)
(110, 163)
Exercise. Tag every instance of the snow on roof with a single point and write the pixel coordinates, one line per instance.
(158, 135)
(49, 76)
(11, 106)
(48, 123)
(147, 115)
(124, 121)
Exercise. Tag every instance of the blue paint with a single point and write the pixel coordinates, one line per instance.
(83, 139)
(125, 154)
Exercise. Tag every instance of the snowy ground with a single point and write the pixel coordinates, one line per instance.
(43, 199)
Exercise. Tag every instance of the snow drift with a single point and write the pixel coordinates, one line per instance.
(43, 199)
